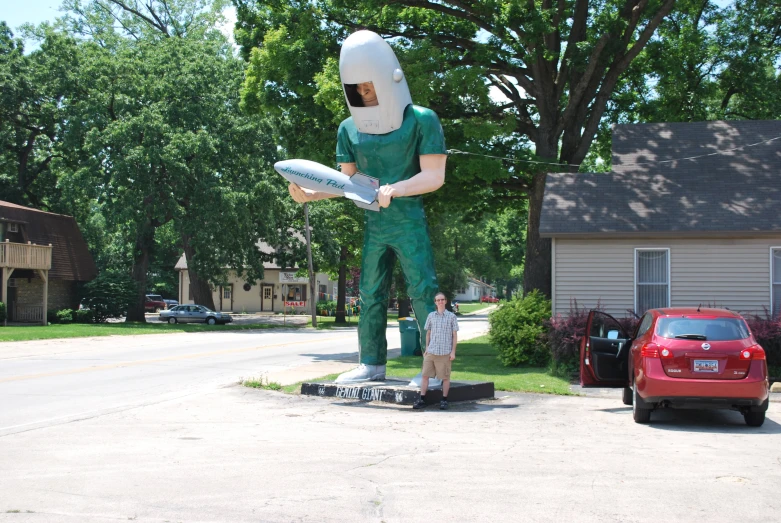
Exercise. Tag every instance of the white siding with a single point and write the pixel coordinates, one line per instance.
(733, 273)
(250, 301)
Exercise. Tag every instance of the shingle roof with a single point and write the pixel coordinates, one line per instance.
(71, 259)
(736, 191)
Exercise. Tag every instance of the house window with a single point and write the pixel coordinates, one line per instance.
(323, 293)
(775, 271)
(13, 227)
(296, 293)
(226, 292)
(652, 279)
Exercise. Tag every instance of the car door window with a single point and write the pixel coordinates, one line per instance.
(645, 324)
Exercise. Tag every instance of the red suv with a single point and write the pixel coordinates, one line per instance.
(154, 303)
(489, 299)
(678, 358)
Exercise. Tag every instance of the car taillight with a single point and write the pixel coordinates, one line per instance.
(755, 352)
(649, 350)
(665, 352)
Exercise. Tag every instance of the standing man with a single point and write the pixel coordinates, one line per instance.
(441, 341)
(403, 146)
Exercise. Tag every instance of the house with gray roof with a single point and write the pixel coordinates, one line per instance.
(690, 214)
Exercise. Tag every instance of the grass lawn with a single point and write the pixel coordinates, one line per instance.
(79, 330)
(465, 308)
(476, 361)
(328, 322)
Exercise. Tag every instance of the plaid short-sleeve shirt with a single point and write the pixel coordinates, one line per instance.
(442, 326)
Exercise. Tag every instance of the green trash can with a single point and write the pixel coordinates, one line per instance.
(410, 337)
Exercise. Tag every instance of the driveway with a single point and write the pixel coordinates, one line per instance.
(233, 454)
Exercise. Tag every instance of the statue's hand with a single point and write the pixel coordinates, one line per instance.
(300, 195)
(386, 194)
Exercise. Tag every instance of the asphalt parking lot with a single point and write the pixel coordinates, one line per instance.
(235, 454)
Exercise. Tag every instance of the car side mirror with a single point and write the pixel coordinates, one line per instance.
(612, 335)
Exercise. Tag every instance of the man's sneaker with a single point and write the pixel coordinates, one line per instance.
(363, 373)
(419, 404)
(443, 405)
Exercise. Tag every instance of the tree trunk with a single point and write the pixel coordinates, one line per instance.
(200, 292)
(341, 287)
(537, 265)
(144, 242)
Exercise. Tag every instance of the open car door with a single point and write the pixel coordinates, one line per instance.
(604, 352)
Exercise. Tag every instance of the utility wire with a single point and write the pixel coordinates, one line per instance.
(456, 151)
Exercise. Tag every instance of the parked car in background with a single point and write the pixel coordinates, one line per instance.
(678, 358)
(489, 299)
(194, 314)
(154, 303)
(170, 303)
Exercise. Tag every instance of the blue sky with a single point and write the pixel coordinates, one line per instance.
(18, 12)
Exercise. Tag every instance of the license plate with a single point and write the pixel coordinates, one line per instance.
(706, 366)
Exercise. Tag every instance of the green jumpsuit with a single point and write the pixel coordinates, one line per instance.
(398, 231)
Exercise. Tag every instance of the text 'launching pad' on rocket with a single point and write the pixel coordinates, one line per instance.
(359, 188)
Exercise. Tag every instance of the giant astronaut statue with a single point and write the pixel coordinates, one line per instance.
(403, 146)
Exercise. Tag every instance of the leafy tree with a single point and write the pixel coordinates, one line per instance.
(162, 140)
(557, 64)
(32, 116)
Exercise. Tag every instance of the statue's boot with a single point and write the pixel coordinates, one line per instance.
(433, 383)
(363, 373)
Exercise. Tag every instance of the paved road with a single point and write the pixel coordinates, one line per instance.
(56, 381)
(180, 441)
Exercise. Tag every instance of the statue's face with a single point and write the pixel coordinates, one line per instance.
(368, 95)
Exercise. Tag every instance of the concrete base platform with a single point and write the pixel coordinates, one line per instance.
(398, 391)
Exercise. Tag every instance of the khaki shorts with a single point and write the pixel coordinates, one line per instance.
(437, 366)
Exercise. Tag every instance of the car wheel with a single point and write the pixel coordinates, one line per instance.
(627, 396)
(640, 414)
(754, 419)
(172, 320)
(211, 321)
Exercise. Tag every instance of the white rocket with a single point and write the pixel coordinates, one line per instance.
(361, 189)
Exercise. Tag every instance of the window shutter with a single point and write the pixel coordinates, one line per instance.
(303, 293)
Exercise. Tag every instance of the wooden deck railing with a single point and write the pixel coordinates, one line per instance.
(25, 256)
(28, 313)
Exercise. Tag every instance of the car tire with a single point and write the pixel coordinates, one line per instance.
(211, 321)
(627, 396)
(640, 414)
(171, 320)
(754, 419)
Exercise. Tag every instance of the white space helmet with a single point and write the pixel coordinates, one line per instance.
(366, 57)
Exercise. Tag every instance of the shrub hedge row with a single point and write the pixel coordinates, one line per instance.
(525, 333)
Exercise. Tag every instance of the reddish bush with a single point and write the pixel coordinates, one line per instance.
(767, 332)
(564, 333)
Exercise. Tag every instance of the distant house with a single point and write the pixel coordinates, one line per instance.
(689, 215)
(279, 289)
(43, 259)
(474, 290)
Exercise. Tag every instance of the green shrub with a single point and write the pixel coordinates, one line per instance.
(83, 316)
(2, 311)
(517, 330)
(63, 316)
(109, 296)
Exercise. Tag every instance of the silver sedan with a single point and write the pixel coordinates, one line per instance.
(193, 314)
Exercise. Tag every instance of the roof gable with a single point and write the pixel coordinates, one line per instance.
(71, 259)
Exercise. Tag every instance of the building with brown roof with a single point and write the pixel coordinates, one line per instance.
(43, 258)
